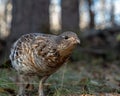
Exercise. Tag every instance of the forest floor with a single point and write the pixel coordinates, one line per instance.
(73, 79)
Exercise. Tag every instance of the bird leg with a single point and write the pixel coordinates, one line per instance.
(21, 91)
(42, 81)
(29, 87)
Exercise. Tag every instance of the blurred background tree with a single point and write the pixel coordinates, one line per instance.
(70, 15)
(28, 16)
(95, 21)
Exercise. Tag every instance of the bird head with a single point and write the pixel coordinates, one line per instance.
(67, 42)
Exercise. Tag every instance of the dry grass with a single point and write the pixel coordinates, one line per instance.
(71, 80)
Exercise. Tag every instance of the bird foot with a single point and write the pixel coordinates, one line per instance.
(41, 93)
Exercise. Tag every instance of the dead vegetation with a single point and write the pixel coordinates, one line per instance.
(76, 79)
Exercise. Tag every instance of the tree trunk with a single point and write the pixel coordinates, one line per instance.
(70, 15)
(112, 15)
(91, 14)
(28, 16)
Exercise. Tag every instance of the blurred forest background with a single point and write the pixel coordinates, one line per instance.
(97, 23)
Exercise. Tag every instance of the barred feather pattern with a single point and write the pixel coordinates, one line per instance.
(42, 54)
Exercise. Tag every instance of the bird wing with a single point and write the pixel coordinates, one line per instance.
(30, 50)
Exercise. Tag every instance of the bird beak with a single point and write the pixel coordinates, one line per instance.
(78, 41)
(75, 40)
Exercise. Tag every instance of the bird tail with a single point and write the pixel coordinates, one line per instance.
(6, 64)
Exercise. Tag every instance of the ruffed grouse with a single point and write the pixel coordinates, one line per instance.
(41, 55)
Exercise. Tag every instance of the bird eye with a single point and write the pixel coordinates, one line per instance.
(65, 37)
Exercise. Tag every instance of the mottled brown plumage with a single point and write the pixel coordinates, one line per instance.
(41, 55)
